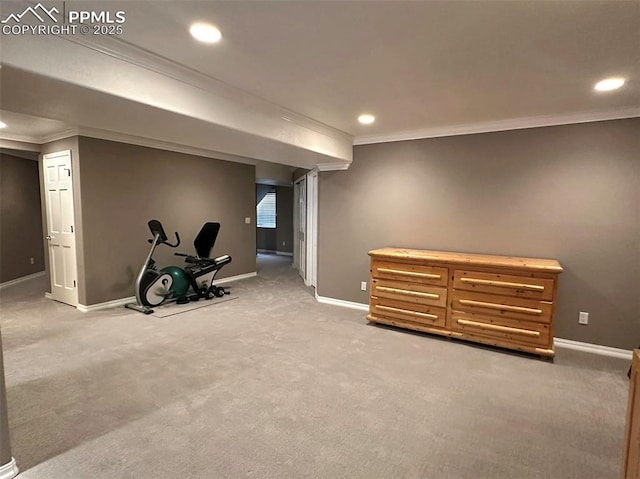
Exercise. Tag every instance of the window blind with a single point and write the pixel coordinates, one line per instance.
(266, 211)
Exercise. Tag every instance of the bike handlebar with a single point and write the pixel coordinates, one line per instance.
(177, 243)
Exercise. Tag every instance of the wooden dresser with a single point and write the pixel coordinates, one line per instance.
(497, 300)
(631, 468)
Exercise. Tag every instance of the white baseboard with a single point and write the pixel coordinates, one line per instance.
(273, 251)
(9, 470)
(106, 304)
(562, 343)
(343, 303)
(238, 277)
(48, 295)
(21, 279)
(121, 302)
(593, 348)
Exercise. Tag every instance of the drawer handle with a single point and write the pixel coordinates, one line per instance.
(406, 311)
(408, 293)
(413, 274)
(503, 284)
(495, 327)
(506, 307)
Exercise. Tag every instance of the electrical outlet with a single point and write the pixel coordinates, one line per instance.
(583, 318)
(284, 243)
(363, 286)
(32, 261)
(247, 220)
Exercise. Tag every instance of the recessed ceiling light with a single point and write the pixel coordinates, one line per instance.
(205, 32)
(609, 84)
(2, 125)
(366, 119)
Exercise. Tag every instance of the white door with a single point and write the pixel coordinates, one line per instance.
(301, 187)
(58, 184)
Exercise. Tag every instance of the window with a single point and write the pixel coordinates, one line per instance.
(266, 211)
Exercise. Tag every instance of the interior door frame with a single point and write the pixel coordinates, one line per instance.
(298, 262)
(310, 272)
(312, 229)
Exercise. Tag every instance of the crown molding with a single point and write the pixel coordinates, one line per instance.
(21, 138)
(146, 142)
(501, 125)
(6, 142)
(132, 54)
(337, 166)
(151, 143)
(60, 135)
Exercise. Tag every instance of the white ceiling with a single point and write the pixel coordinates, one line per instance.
(417, 66)
(412, 64)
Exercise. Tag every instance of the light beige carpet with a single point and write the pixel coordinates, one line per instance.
(276, 385)
(173, 309)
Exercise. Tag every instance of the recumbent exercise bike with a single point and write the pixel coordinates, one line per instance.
(173, 283)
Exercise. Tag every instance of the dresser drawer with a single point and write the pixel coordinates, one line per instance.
(414, 273)
(417, 313)
(507, 306)
(504, 284)
(510, 329)
(409, 292)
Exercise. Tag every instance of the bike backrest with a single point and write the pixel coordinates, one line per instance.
(156, 228)
(206, 239)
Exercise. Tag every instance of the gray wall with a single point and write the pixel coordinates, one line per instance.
(21, 230)
(284, 207)
(266, 240)
(568, 192)
(124, 186)
(297, 173)
(273, 173)
(5, 445)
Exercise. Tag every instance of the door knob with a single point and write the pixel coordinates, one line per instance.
(48, 237)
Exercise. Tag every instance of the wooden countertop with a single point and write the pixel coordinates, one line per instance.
(461, 259)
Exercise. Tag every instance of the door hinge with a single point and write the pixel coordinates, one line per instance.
(72, 228)
(74, 283)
